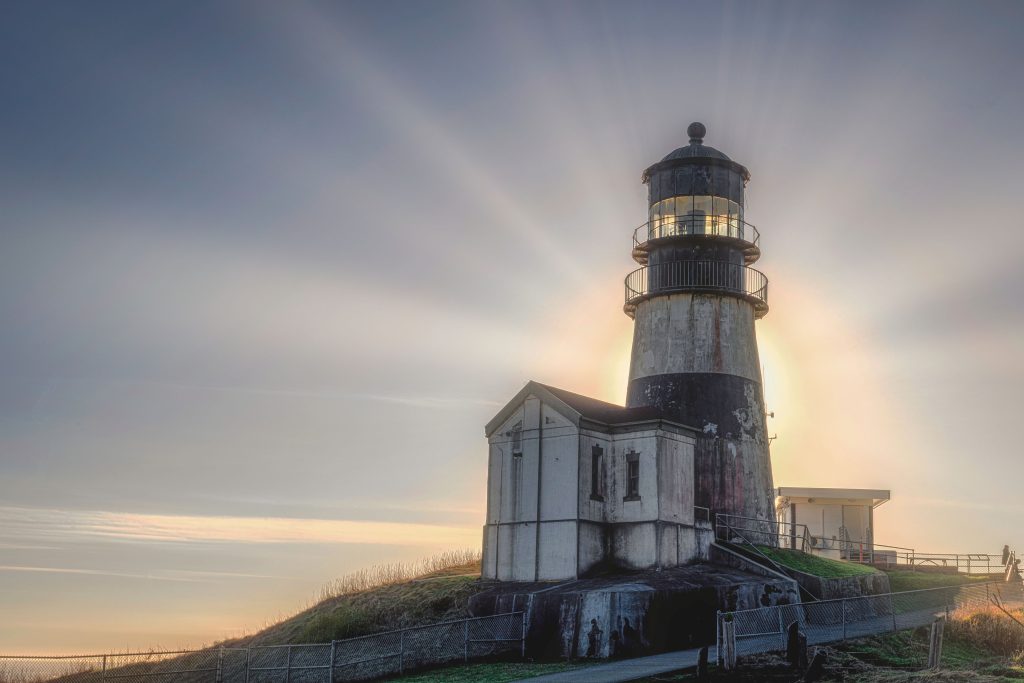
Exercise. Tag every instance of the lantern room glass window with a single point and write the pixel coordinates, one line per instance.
(696, 215)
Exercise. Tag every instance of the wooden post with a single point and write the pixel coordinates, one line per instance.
(465, 640)
(330, 670)
(220, 664)
(401, 651)
(718, 639)
(793, 644)
(935, 643)
(702, 664)
(729, 645)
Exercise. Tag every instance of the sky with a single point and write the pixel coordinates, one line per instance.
(266, 270)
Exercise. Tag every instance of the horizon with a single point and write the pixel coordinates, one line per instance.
(267, 270)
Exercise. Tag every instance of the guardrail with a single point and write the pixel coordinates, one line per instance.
(763, 532)
(729, 227)
(697, 276)
(354, 659)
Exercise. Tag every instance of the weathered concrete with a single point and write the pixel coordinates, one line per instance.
(845, 587)
(703, 333)
(633, 614)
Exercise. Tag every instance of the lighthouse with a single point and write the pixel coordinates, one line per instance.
(695, 300)
(578, 486)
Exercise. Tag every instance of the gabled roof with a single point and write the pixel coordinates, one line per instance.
(576, 407)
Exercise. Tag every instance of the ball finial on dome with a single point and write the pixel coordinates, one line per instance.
(696, 131)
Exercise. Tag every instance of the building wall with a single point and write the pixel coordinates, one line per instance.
(694, 333)
(824, 519)
(529, 488)
(570, 532)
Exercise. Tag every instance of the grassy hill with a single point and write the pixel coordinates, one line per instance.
(382, 598)
(813, 564)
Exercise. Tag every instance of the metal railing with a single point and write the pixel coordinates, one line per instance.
(764, 629)
(730, 227)
(366, 657)
(770, 532)
(967, 563)
(697, 276)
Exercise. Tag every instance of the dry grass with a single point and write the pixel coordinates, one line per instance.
(989, 629)
(381, 598)
(445, 564)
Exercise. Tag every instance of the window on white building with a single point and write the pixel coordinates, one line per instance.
(597, 473)
(632, 476)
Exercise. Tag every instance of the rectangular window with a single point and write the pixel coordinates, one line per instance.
(632, 476)
(597, 473)
(517, 439)
(517, 484)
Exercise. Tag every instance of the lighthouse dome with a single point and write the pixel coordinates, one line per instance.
(696, 148)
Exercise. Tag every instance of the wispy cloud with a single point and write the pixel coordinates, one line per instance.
(71, 525)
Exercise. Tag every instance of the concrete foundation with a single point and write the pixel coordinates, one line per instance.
(629, 615)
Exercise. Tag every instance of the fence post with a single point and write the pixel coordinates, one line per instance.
(522, 638)
(103, 673)
(935, 643)
(288, 666)
(718, 638)
(842, 606)
(248, 650)
(220, 664)
(330, 669)
(729, 644)
(782, 630)
(465, 640)
(401, 652)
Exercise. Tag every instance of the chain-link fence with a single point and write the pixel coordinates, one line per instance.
(354, 659)
(826, 621)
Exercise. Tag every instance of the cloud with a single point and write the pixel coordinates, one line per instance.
(56, 525)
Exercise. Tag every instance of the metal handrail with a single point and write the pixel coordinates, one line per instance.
(700, 225)
(697, 276)
(784, 531)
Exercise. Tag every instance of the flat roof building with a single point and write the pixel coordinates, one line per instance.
(840, 523)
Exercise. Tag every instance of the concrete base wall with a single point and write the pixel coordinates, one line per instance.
(646, 613)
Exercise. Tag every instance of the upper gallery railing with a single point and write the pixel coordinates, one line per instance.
(730, 227)
(697, 276)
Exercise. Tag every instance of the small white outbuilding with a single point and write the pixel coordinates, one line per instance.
(840, 522)
(575, 484)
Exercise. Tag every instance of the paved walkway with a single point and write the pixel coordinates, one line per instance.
(627, 669)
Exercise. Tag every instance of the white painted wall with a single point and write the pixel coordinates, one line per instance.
(574, 533)
(694, 333)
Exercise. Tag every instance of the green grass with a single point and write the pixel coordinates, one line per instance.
(495, 672)
(817, 566)
(904, 580)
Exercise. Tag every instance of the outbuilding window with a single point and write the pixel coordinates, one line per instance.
(632, 476)
(597, 473)
(517, 439)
